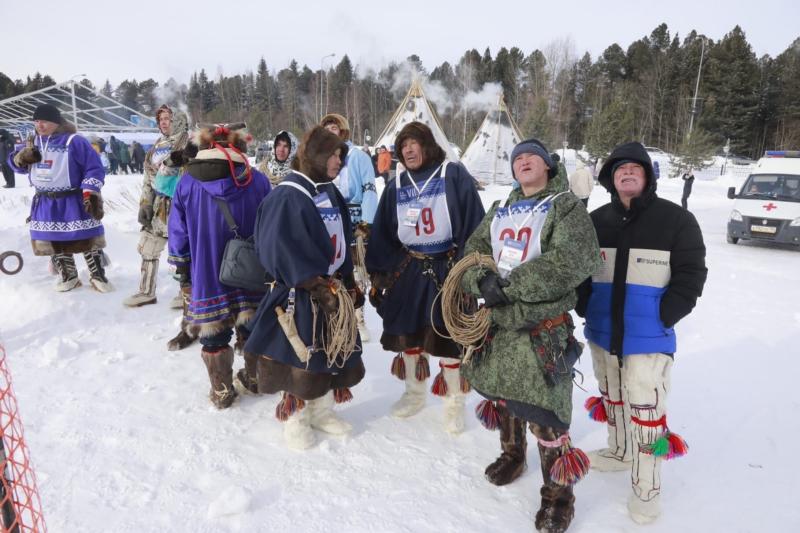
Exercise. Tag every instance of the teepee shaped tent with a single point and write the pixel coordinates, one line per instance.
(415, 107)
(488, 155)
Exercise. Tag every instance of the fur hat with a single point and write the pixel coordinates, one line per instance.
(226, 135)
(317, 146)
(339, 120)
(48, 112)
(432, 153)
(163, 109)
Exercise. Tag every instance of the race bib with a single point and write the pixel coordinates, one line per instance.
(511, 255)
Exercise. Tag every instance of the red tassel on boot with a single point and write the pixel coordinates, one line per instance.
(399, 367)
(422, 370)
(342, 395)
(571, 467)
(288, 406)
(487, 413)
(596, 408)
(465, 388)
(439, 387)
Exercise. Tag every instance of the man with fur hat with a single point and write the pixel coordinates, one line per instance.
(420, 229)
(304, 259)
(653, 270)
(154, 204)
(279, 162)
(544, 245)
(356, 182)
(67, 207)
(198, 233)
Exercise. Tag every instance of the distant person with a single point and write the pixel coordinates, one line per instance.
(6, 148)
(688, 181)
(581, 182)
(656, 169)
(124, 156)
(67, 208)
(278, 164)
(653, 272)
(137, 157)
(384, 163)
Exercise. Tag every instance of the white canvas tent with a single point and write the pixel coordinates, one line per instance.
(488, 155)
(415, 107)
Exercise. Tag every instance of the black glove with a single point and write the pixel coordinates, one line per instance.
(491, 286)
(145, 215)
(93, 204)
(183, 274)
(27, 156)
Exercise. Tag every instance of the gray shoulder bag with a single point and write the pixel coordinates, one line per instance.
(240, 265)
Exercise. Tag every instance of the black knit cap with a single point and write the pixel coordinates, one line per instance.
(48, 112)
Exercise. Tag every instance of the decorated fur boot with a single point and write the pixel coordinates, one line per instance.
(97, 272)
(562, 467)
(449, 385)
(147, 285)
(296, 418)
(67, 271)
(186, 336)
(412, 367)
(512, 462)
(610, 408)
(323, 418)
(219, 363)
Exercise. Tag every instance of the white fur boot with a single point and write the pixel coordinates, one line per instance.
(297, 430)
(618, 455)
(413, 399)
(324, 419)
(454, 397)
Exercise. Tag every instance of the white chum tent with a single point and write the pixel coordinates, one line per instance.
(415, 107)
(488, 155)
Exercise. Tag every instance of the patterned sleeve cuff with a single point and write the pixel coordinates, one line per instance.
(91, 184)
(178, 260)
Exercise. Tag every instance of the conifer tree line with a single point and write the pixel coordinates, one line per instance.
(644, 92)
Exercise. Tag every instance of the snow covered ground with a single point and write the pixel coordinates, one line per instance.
(124, 439)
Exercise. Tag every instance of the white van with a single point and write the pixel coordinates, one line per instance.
(767, 208)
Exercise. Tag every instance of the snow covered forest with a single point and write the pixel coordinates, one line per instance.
(556, 93)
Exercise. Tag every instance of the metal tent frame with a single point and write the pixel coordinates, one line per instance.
(102, 113)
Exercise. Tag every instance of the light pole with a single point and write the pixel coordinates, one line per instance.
(696, 88)
(726, 149)
(322, 79)
(367, 137)
(564, 152)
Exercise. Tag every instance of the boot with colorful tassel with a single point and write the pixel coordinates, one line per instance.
(562, 467)
(297, 432)
(512, 462)
(323, 418)
(452, 388)
(646, 381)
(611, 409)
(412, 367)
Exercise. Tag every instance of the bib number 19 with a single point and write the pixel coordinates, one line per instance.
(426, 217)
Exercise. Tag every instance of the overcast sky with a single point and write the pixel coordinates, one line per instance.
(161, 38)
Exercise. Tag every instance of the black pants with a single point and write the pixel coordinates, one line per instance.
(685, 202)
(8, 174)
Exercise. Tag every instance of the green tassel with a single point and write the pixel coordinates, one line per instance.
(660, 447)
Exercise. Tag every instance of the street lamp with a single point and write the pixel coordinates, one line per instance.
(726, 149)
(322, 79)
(367, 137)
(564, 152)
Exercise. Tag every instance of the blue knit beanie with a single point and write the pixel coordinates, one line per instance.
(531, 146)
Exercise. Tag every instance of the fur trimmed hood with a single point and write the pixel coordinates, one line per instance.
(312, 157)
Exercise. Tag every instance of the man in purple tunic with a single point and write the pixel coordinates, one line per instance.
(67, 207)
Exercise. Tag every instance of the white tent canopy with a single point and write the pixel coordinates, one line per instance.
(88, 109)
(415, 107)
(488, 155)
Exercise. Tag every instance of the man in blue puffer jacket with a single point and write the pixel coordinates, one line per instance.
(653, 270)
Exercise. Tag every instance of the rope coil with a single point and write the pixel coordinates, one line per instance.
(467, 326)
(340, 331)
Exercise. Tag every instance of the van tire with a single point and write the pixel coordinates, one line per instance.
(732, 240)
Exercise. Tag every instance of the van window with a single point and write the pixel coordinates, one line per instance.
(782, 187)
